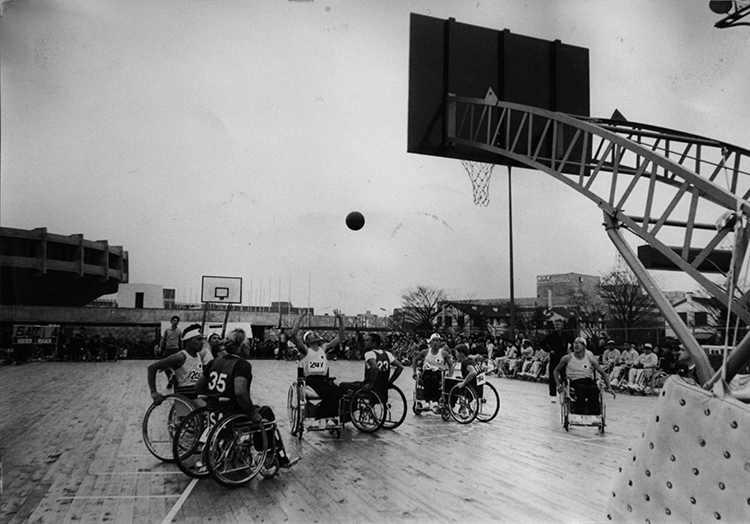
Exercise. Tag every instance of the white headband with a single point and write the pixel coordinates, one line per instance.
(194, 333)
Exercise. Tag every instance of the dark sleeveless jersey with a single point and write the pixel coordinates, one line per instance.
(465, 370)
(220, 374)
(383, 361)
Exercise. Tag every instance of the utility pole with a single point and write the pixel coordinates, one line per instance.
(510, 240)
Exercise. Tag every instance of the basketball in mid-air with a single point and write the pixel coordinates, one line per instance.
(355, 220)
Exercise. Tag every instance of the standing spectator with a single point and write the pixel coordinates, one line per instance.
(490, 348)
(556, 344)
(281, 351)
(93, 348)
(110, 347)
(171, 341)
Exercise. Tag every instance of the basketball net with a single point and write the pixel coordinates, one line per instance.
(479, 174)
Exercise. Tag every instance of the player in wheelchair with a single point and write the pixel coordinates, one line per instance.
(362, 404)
(436, 362)
(245, 439)
(581, 401)
(314, 369)
(183, 370)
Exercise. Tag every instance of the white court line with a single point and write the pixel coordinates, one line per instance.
(180, 502)
(176, 472)
(119, 497)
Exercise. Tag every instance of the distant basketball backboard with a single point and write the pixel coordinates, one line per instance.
(446, 56)
(221, 290)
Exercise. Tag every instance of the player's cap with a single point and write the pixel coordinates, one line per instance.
(610, 341)
(435, 336)
(647, 346)
(192, 332)
(210, 335)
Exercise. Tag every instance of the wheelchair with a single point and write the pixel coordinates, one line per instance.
(648, 382)
(488, 399)
(568, 418)
(226, 445)
(485, 364)
(461, 404)
(395, 408)
(160, 422)
(364, 409)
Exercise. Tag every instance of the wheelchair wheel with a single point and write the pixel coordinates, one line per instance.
(415, 406)
(189, 443)
(295, 411)
(489, 403)
(237, 449)
(564, 401)
(488, 366)
(463, 404)
(395, 408)
(367, 411)
(160, 423)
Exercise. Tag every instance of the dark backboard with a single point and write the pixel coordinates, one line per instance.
(446, 56)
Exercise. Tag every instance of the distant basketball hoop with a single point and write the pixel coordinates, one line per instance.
(221, 290)
(479, 174)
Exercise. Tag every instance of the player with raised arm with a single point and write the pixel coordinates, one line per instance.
(314, 362)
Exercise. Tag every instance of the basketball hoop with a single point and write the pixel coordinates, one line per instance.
(479, 174)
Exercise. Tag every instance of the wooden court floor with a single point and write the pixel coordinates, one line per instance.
(71, 451)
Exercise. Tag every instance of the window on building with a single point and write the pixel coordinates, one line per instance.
(701, 318)
(139, 300)
(684, 317)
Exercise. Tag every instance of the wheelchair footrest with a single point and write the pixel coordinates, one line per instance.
(584, 420)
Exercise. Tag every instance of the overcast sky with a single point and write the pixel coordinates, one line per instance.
(232, 137)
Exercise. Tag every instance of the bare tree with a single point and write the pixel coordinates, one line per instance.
(590, 311)
(421, 306)
(628, 303)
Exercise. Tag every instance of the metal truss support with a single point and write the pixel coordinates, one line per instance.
(683, 195)
(702, 366)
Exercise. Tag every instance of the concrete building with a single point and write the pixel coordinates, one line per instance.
(139, 296)
(38, 268)
(555, 290)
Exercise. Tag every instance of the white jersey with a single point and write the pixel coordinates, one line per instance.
(315, 362)
(191, 370)
(434, 362)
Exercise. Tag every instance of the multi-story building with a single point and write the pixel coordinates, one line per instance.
(38, 268)
(555, 290)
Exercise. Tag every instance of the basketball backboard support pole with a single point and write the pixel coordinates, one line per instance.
(220, 290)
